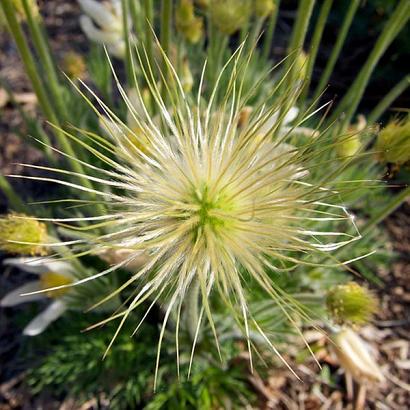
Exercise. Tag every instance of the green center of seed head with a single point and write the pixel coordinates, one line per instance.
(209, 205)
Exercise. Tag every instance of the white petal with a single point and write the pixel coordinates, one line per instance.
(291, 115)
(100, 14)
(30, 265)
(14, 297)
(97, 35)
(43, 320)
(40, 266)
(117, 49)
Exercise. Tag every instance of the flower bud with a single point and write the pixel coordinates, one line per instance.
(230, 15)
(301, 65)
(348, 146)
(393, 143)
(22, 235)
(186, 78)
(20, 12)
(202, 3)
(73, 65)
(355, 358)
(263, 8)
(190, 26)
(351, 304)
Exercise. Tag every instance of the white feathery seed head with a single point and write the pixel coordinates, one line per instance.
(208, 200)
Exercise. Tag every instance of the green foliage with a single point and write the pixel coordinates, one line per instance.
(74, 366)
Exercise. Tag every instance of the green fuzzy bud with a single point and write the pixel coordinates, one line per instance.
(393, 143)
(351, 304)
(202, 3)
(230, 15)
(22, 235)
(73, 65)
(348, 146)
(263, 8)
(184, 12)
(190, 26)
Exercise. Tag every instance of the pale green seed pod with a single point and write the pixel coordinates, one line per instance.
(393, 143)
(230, 15)
(351, 304)
(23, 235)
(355, 357)
(264, 8)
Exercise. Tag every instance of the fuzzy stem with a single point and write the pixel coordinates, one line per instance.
(11, 195)
(314, 46)
(192, 308)
(268, 40)
(388, 99)
(43, 50)
(393, 26)
(166, 24)
(341, 37)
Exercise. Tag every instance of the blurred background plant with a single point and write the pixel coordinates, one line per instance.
(370, 152)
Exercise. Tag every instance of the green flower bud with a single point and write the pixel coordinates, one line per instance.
(202, 3)
(230, 15)
(184, 12)
(190, 26)
(351, 304)
(73, 65)
(393, 143)
(263, 8)
(22, 235)
(348, 146)
(186, 78)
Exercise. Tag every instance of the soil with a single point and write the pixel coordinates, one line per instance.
(388, 335)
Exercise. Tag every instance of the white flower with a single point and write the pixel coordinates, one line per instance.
(355, 358)
(289, 117)
(103, 23)
(50, 273)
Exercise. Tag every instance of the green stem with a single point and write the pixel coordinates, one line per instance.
(388, 99)
(39, 90)
(14, 200)
(126, 35)
(295, 46)
(301, 25)
(43, 50)
(341, 37)
(314, 46)
(149, 26)
(192, 308)
(28, 62)
(135, 9)
(268, 40)
(166, 24)
(352, 98)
